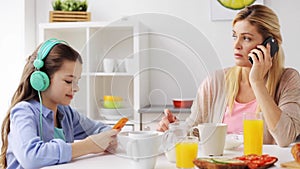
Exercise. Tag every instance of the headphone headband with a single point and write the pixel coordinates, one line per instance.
(39, 80)
(44, 51)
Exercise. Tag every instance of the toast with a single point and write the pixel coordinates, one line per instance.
(218, 163)
(242, 162)
(295, 150)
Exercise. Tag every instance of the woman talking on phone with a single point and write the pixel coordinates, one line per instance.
(264, 85)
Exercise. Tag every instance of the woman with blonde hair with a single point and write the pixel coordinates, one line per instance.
(264, 85)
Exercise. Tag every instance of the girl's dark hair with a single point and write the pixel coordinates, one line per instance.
(52, 63)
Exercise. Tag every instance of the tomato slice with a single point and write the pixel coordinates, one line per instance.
(254, 161)
(252, 157)
(243, 158)
(271, 160)
(258, 162)
(265, 155)
(252, 165)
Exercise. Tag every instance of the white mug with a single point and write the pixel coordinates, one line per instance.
(212, 138)
(108, 65)
(142, 147)
(129, 65)
(120, 65)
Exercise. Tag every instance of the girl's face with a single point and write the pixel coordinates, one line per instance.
(245, 38)
(63, 85)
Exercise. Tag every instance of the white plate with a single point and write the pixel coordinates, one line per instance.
(116, 114)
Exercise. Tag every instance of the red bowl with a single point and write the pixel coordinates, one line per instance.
(182, 103)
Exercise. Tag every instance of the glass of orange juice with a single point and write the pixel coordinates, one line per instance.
(253, 133)
(186, 152)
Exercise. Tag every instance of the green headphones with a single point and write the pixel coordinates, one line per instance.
(39, 80)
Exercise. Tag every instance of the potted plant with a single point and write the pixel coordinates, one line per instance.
(69, 11)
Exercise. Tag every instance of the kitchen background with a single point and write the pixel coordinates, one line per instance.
(19, 37)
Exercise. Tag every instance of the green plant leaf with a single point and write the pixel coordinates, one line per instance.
(70, 5)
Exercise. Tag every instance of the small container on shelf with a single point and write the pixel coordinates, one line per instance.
(183, 103)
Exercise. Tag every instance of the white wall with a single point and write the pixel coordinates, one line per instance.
(17, 40)
(194, 14)
(12, 50)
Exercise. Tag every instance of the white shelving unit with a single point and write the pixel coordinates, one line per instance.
(96, 41)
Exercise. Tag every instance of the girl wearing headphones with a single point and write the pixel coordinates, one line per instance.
(40, 127)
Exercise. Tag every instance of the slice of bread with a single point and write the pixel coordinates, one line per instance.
(296, 152)
(236, 163)
(215, 163)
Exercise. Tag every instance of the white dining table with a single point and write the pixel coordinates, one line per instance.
(113, 161)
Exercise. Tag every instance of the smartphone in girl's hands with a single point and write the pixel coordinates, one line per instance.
(121, 123)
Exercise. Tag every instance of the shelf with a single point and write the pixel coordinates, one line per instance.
(66, 25)
(160, 109)
(115, 121)
(107, 74)
(96, 41)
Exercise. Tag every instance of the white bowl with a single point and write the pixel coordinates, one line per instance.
(148, 137)
(171, 155)
(116, 114)
(233, 141)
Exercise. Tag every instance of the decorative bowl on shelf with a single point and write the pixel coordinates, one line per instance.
(183, 103)
(112, 102)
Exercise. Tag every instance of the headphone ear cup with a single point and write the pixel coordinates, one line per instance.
(39, 80)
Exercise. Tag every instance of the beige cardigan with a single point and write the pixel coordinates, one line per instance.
(210, 105)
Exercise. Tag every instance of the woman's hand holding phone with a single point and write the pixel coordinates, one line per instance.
(262, 65)
(262, 59)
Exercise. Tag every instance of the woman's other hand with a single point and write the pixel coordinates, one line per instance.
(163, 125)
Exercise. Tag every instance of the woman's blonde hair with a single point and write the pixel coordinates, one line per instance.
(267, 24)
(52, 63)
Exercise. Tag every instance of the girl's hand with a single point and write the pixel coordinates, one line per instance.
(163, 125)
(260, 66)
(105, 140)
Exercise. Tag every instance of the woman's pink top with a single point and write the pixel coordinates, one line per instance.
(235, 119)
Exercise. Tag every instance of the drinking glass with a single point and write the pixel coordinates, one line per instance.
(186, 152)
(176, 133)
(253, 133)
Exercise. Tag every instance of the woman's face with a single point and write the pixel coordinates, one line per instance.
(63, 85)
(245, 38)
